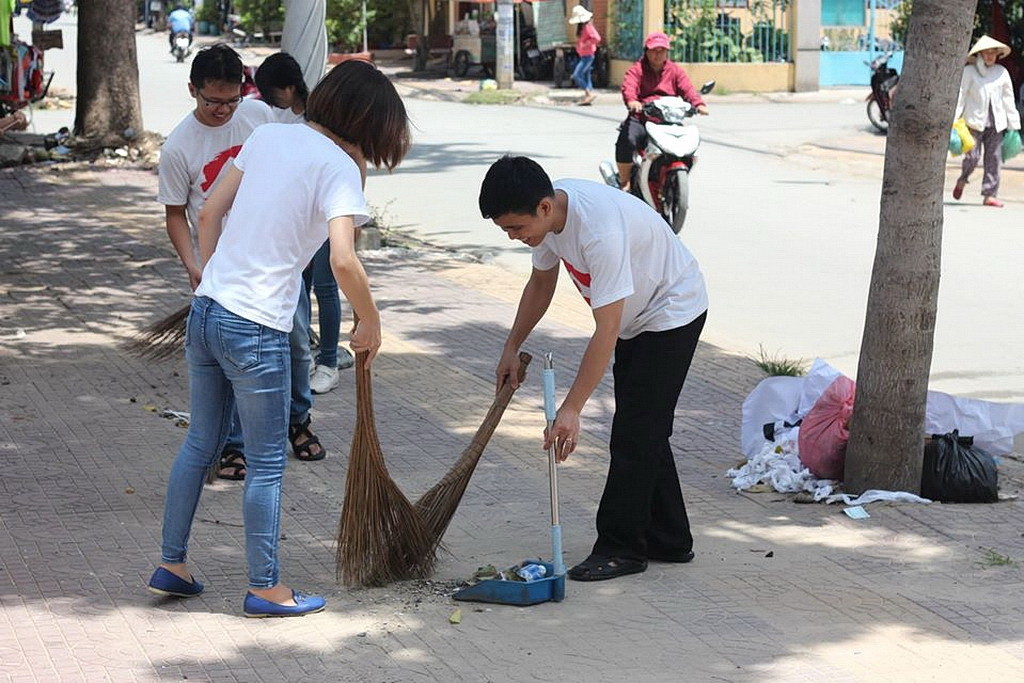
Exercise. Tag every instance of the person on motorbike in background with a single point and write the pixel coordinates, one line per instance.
(653, 75)
(180, 21)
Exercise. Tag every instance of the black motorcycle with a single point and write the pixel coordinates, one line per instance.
(565, 64)
(883, 86)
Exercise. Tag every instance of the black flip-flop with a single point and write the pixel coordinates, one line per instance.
(596, 568)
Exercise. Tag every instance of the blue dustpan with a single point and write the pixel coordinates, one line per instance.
(551, 588)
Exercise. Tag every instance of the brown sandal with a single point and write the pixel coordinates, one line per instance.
(303, 441)
(231, 465)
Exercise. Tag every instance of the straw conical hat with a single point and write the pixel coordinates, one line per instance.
(988, 43)
(580, 15)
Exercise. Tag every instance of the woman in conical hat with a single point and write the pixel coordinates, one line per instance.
(989, 108)
(587, 40)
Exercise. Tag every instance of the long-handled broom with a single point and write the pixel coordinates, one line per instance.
(437, 506)
(160, 340)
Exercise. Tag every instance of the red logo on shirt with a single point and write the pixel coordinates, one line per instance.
(579, 278)
(211, 171)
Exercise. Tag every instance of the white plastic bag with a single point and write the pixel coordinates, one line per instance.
(771, 401)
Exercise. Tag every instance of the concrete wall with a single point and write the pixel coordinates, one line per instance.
(728, 77)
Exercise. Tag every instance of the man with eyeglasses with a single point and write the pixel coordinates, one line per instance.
(193, 158)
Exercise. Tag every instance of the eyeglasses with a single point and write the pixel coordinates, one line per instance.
(213, 104)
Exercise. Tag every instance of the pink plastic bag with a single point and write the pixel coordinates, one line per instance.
(825, 430)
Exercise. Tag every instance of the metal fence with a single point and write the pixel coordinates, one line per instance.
(628, 40)
(728, 30)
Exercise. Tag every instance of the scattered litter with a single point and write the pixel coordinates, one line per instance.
(778, 465)
(129, 490)
(856, 512)
(12, 334)
(528, 570)
(181, 419)
(149, 408)
(770, 553)
(875, 495)
(455, 617)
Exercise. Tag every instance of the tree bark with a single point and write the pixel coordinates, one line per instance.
(886, 431)
(304, 37)
(108, 70)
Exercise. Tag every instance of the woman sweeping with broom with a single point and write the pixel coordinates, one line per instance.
(291, 187)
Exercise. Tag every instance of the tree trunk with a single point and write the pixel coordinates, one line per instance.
(304, 37)
(886, 431)
(108, 72)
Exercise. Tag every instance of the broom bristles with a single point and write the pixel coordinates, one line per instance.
(381, 537)
(437, 506)
(160, 340)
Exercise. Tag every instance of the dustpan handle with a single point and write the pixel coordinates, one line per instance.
(548, 378)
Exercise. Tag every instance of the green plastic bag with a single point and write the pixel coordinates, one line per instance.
(955, 147)
(1011, 144)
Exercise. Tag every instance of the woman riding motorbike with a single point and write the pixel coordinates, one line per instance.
(653, 75)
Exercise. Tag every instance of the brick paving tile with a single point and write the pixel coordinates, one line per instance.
(906, 595)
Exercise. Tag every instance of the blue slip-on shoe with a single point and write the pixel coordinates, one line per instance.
(258, 608)
(167, 583)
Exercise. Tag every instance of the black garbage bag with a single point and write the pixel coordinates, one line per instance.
(957, 471)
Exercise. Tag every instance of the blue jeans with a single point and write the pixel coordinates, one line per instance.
(232, 362)
(320, 277)
(581, 74)
(302, 396)
(298, 341)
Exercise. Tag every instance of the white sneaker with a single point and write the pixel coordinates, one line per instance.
(323, 379)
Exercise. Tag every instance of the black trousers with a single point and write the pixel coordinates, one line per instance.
(642, 514)
(632, 136)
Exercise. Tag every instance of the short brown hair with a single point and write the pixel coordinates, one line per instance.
(358, 103)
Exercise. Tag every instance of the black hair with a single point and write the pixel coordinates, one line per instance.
(514, 185)
(358, 103)
(216, 63)
(280, 71)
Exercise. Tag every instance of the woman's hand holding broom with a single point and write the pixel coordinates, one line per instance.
(366, 337)
(352, 279)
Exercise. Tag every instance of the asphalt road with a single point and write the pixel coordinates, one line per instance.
(783, 226)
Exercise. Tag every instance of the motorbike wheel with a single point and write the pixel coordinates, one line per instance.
(559, 75)
(675, 200)
(876, 117)
(461, 63)
(179, 55)
(601, 69)
(529, 69)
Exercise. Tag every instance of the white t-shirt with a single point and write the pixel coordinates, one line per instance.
(615, 247)
(294, 180)
(195, 155)
(287, 115)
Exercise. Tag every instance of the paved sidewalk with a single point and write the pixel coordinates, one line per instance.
(778, 592)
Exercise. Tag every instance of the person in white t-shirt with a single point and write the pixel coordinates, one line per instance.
(194, 158)
(649, 304)
(290, 188)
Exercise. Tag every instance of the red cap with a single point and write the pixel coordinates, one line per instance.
(656, 39)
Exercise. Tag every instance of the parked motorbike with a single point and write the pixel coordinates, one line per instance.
(531, 63)
(182, 43)
(661, 171)
(883, 86)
